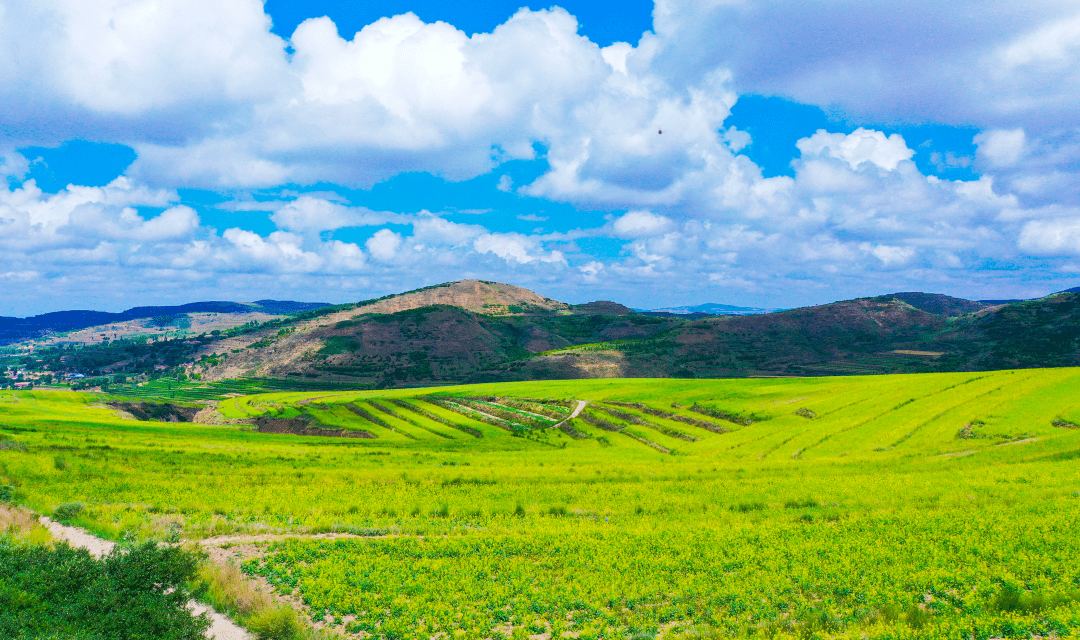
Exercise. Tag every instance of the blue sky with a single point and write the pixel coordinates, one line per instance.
(172, 151)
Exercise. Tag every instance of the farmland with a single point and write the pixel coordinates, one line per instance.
(939, 505)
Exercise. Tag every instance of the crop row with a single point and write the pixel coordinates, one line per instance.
(929, 574)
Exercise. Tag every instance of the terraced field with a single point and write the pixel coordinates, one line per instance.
(936, 505)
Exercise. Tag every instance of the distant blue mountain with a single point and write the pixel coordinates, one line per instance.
(15, 329)
(712, 309)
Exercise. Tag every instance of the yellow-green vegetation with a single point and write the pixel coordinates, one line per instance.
(936, 505)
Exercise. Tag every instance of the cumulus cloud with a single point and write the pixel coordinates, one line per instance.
(516, 248)
(309, 213)
(633, 224)
(860, 146)
(889, 256)
(1052, 237)
(590, 271)
(210, 98)
(79, 215)
(384, 244)
(403, 95)
(906, 61)
(280, 251)
(1000, 148)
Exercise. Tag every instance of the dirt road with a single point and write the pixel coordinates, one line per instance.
(221, 628)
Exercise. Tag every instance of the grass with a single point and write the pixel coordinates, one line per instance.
(874, 517)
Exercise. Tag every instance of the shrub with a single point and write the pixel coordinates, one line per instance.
(136, 594)
(276, 623)
(747, 507)
(917, 617)
(68, 511)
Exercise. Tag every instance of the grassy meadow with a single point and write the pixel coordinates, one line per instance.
(928, 505)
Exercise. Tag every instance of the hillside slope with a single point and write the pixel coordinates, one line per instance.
(869, 335)
(476, 331)
(406, 339)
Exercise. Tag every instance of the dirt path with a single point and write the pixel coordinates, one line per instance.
(573, 414)
(272, 537)
(221, 628)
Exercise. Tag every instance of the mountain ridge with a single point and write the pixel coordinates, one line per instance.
(13, 329)
(474, 331)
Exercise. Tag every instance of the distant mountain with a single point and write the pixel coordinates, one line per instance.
(712, 309)
(604, 307)
(937, 303)
(1012, 300)
(17, 329)
(475, 331)
(868, 335)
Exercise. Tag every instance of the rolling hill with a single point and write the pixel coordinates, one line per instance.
(477, 331)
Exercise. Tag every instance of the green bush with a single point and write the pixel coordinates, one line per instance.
(276, 623)
(7, 493)
(136, 594)
(68, 511)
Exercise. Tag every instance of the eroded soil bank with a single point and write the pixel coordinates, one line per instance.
(303, 427)
(157, 412)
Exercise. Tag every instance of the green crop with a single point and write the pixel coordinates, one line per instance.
(934, 505)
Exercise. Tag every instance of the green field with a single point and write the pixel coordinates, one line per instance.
(933, 505)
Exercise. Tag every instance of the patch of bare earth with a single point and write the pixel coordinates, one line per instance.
(303, 427)
(211, 416)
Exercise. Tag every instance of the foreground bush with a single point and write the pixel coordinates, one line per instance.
(66, 593)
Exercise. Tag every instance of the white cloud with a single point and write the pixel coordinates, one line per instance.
(1001, 148)
(858, 147)
(1057, 42)
(635, 224)
(77, 216)
(1051, 237)
(307, 213)
(280, 251)
(434, 230)
(404, 95)
(383, 245)
(210, 98)
(590, 271)
(736, 140)
(13, 165)
(911, 62)
(516, 248)
(889, 256)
